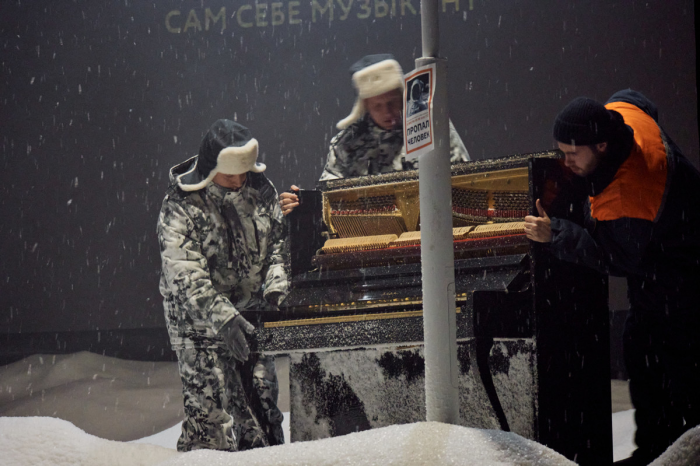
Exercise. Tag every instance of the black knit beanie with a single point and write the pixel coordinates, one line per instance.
(583, 122)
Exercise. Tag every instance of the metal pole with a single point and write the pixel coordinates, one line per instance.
(437, 253)
(430, 28)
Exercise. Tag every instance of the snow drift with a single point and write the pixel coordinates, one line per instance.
(50, 441)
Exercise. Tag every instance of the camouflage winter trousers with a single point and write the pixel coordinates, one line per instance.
(228, 406)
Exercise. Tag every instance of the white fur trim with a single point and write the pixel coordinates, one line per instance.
(357, 111)
(230, 161)
(237, 160)
(378, 78)
(198, 186)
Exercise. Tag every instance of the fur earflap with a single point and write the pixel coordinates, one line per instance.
(357, 111)
(232, 160)
(196, 186)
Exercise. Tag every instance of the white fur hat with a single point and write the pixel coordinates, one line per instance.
(227, 148)
(372, 75)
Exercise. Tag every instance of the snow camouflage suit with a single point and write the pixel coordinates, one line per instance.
(364, 148)
(223, 252)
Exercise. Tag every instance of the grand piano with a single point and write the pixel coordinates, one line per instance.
(532, 331)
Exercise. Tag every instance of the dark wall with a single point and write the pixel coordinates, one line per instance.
(100, 98)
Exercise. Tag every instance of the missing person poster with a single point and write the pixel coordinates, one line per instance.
(419, 88)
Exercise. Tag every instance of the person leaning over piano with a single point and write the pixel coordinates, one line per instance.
(643, 223)
(370, 141)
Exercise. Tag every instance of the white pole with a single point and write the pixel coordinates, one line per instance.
(437, 254)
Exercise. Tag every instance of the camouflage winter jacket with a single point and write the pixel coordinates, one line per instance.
(364, 148)
(222, 251)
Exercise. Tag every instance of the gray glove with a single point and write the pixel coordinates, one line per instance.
(234, 337)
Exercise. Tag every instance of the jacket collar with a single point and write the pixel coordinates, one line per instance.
(619, 148)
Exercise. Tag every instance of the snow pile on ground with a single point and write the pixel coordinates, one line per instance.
(623, 435)
(169, 437)
(125, 400)
(45, 441)
(49, 441)
(684, 452)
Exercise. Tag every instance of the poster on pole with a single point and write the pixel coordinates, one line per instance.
(419, 89)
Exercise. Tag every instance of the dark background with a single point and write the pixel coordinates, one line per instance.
(99, 99)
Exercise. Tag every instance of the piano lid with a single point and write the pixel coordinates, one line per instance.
(474, 166)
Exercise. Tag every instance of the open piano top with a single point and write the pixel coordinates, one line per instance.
(356, 241)
(532, 331)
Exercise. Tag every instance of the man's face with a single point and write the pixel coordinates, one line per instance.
(582, 160)
(385, 109)
(229, 181)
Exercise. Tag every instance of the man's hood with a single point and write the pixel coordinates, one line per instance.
(182, 168)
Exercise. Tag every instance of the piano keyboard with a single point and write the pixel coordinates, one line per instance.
(362, 243)
(412, 238)
(498, 229)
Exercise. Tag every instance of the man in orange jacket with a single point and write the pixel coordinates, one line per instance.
(643, 223)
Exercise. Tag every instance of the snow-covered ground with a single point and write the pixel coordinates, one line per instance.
(99, 398)
(623, 435)
(422, 443)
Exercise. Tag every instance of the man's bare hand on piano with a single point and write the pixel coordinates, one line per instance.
(288, 201)
(538, 228)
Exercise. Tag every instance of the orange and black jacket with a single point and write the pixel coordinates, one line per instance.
(643, 210)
